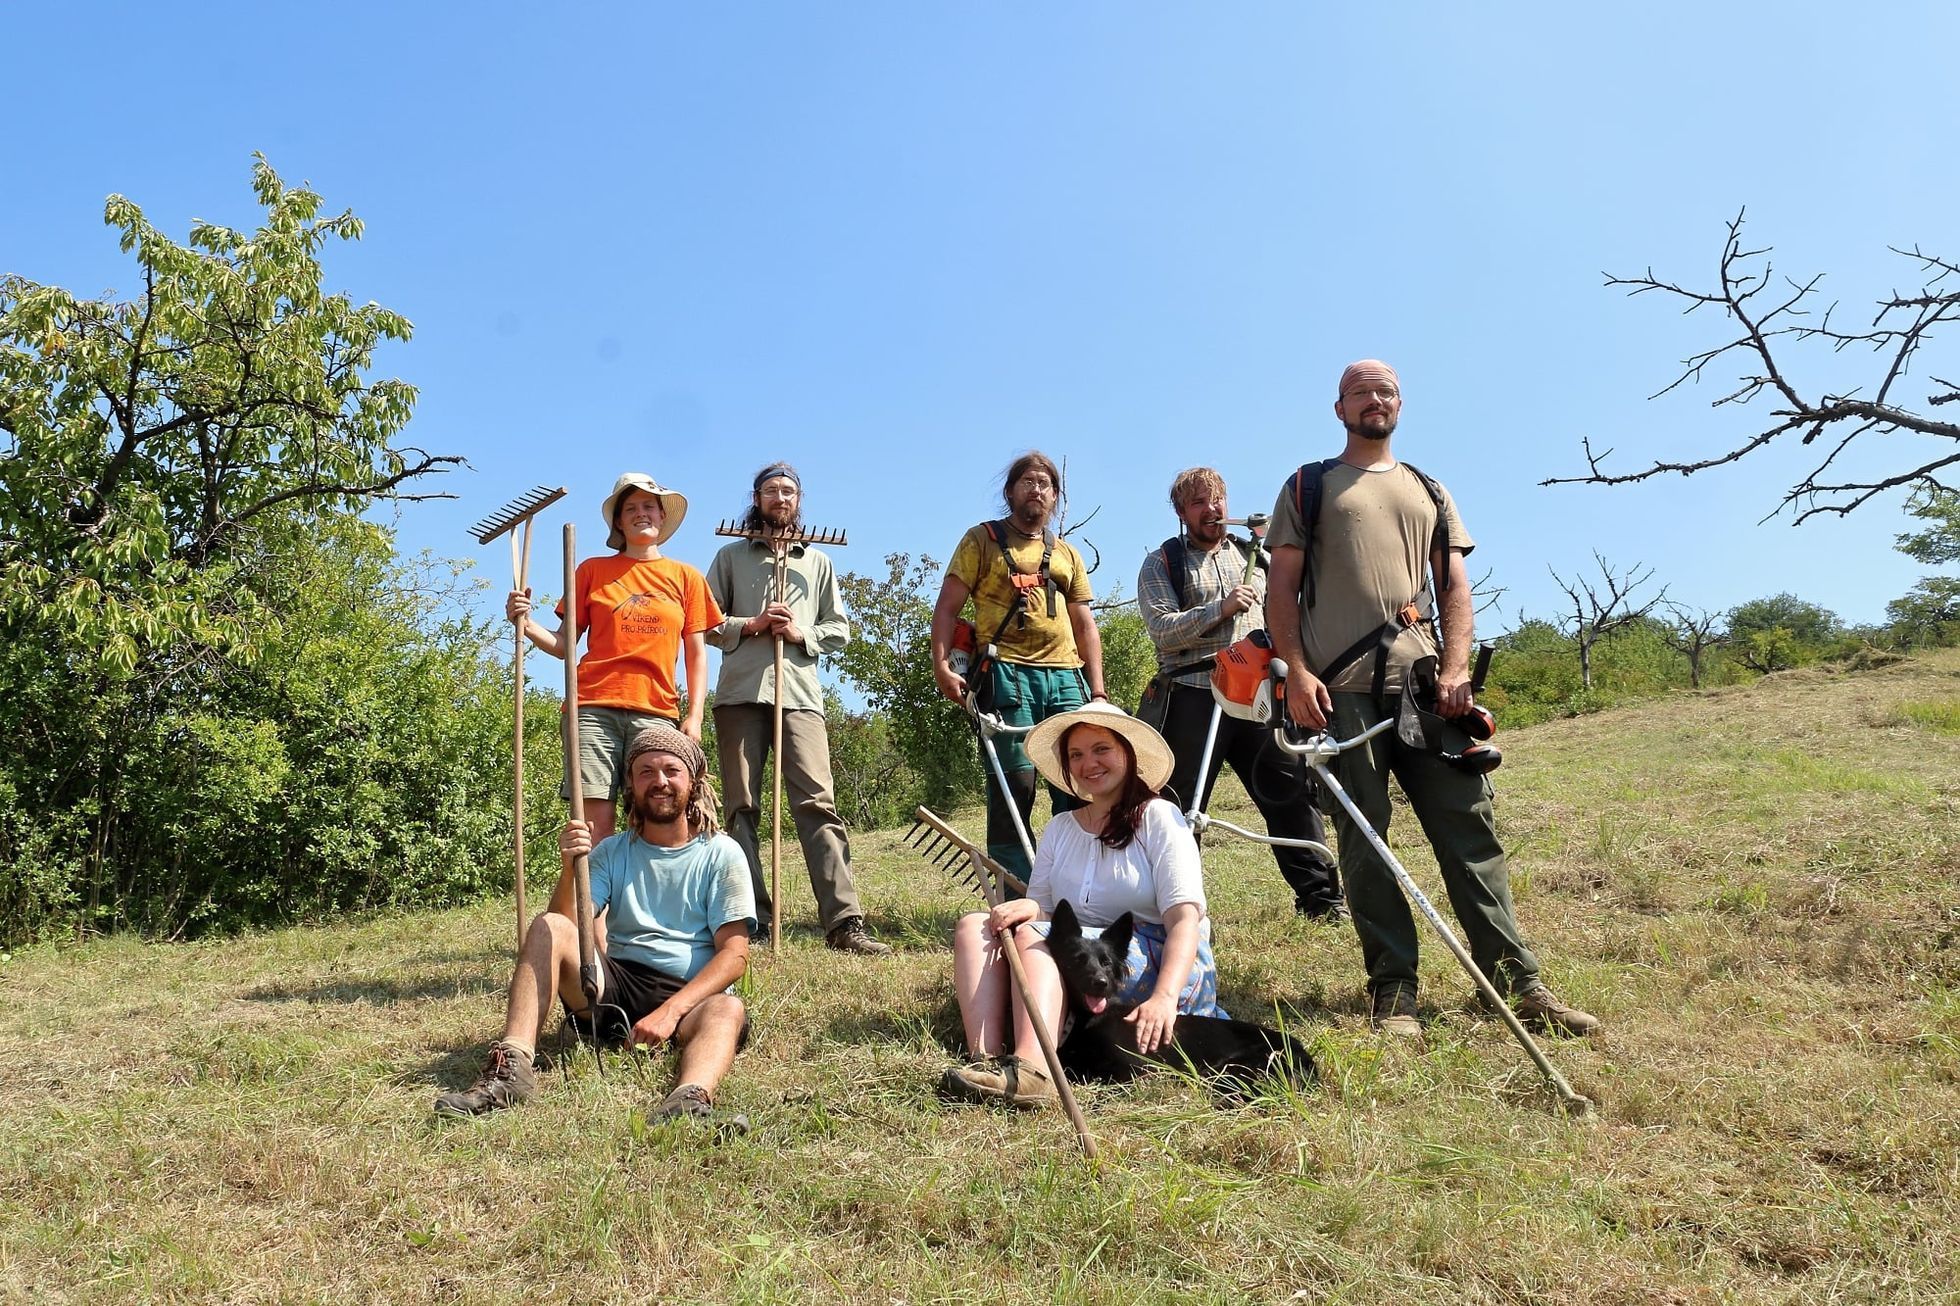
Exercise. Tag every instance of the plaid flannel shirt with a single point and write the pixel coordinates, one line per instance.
(1200, 630)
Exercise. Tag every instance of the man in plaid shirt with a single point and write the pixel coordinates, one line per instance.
(1219, 606)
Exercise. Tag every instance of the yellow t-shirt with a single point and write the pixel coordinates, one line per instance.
(1369, 556)
(1032, 637)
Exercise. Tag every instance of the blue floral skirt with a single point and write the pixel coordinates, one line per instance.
(1198, 997)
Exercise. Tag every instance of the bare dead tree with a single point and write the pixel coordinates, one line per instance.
(1692, 632)
(1599, 610)
(1772, 316)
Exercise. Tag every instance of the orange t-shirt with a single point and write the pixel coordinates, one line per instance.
(634, 613)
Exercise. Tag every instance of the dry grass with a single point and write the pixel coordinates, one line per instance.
(1755, 887)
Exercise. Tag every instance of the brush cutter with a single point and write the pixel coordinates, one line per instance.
(1318, 751)
(518, 511)
(1241, 688)
(779, 540)
(942, 843)
(989, 724)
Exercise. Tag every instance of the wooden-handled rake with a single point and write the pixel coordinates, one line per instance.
(779, 540)
(518, 512)
(943, 845)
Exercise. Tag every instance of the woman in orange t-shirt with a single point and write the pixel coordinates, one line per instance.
(639, 612)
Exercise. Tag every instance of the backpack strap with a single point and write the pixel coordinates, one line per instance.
(1174, 558)
(1043, 575)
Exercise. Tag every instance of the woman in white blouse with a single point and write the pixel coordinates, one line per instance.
(1126, 849)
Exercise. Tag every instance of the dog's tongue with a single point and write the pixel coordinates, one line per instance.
(1096, 1005)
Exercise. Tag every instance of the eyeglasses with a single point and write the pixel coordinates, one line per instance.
(1388, 394)
(1041, 483)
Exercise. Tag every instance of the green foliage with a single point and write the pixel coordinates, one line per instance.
(1928, 615)
(875, 786)
(1129, 658)
(889, 661)
(1784, 631)
(231, 705)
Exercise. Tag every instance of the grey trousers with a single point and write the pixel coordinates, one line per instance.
(743, 735)
(1454, 808)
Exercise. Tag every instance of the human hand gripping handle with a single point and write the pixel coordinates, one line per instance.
(1013, 913)
(1307, 701)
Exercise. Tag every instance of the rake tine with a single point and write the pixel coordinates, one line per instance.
(528, 504)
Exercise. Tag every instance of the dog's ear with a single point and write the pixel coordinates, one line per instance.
(1063, 923)
(1117, 935)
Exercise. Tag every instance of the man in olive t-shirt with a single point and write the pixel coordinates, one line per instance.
(1042, 629)
(1377, 536)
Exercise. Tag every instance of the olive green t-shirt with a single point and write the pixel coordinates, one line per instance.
(1034, 638)
(1368, 557)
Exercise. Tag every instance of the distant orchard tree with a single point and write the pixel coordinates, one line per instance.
(1930, 612)
(1693, 633)
(1598, 608)
(1781, 632)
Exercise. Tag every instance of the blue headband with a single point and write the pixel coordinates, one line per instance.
(774, 470)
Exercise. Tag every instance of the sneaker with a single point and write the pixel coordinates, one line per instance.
(1393, 1010)
(1540, 1008)
(506, 1080)
(849, 935)
(1326, 913)
(692, 1102)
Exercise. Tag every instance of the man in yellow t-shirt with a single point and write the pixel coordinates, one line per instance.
(1347, 578)
(1030, 593)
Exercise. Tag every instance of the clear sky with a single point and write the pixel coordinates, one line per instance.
(897, 243)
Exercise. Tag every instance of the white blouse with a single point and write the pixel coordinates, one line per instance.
(1155, 873)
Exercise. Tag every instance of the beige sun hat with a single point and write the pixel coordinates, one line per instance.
(1044, 742)
(672, 502)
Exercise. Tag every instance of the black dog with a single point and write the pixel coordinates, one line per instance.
(1102, 1045)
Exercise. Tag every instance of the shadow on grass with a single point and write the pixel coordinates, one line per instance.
(385, 990)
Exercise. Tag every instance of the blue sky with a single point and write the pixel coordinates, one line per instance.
(896, 244)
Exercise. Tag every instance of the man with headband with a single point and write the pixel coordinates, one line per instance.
(1357, 541)
(674, 894)
(809, 618)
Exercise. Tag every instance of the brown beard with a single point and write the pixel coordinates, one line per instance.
(641, 806)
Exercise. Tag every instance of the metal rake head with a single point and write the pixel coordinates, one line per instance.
(947, 856)
(800, 535)
(528, 504)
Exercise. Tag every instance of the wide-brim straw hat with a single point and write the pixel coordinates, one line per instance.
(672, 502)
(1154, 760)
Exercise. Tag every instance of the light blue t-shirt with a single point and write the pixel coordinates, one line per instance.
(667, 903)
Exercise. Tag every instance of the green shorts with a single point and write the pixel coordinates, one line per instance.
(603, 734)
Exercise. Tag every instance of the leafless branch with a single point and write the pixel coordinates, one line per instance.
(1767, 329)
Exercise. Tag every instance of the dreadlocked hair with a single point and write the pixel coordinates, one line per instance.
(703, 807)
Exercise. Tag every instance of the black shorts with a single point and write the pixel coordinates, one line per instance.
(632, 990)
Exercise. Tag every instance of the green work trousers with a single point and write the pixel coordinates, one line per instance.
(1454, 808)
(1024, 696)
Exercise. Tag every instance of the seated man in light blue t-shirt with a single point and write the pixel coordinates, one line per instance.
(678, 907)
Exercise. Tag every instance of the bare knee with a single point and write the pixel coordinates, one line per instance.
(722, 1013)
(970, 930)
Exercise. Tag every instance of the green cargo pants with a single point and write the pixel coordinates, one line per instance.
(1454, 808)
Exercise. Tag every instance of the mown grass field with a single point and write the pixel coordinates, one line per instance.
(1757, 888)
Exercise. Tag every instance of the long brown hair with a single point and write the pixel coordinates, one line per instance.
(1120, 829)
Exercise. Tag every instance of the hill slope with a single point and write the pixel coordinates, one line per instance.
(1756, 888)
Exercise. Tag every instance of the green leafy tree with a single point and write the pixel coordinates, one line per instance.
(1129, 658)
(889, 661)
(1783, 631)
(1929, 614)
(181, 478)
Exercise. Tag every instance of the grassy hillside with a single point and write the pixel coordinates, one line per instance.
(1758, 888)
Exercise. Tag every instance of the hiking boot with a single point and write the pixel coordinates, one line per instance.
(506, 1080)
(692, 1102)
(1540, 1008)
(1393, 1010)
(1326, 913)
(982, 1081)
(849, 935)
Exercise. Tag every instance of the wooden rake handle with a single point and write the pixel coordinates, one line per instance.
(991, 875)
